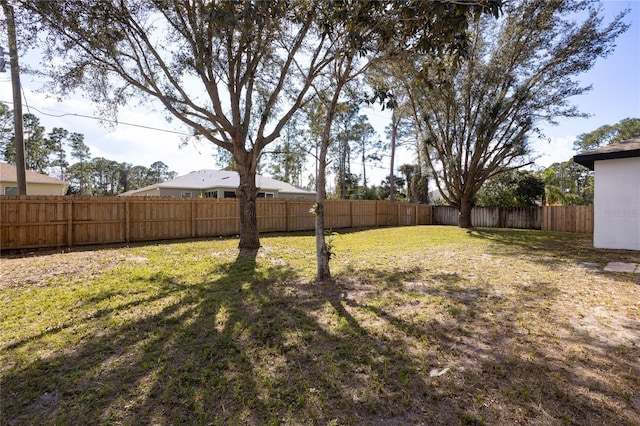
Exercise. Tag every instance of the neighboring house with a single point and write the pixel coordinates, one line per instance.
(219, 184)
(616, 194)
(37, 184)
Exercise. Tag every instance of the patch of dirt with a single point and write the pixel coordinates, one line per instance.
(608, 326)
(35, 269)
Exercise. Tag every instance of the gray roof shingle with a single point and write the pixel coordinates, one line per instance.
(208, 179)
(8, 173)
(626, 149)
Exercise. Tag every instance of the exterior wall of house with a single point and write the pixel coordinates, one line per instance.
(153, 192)
(296, 196)
(6, 188)
(178, 192)
(617, 204)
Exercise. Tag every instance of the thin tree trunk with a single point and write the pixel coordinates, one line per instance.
(323, 272)
(364, 168)
(17, 99)
(394, 135)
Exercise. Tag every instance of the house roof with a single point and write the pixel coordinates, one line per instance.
(9, 173)
(210, 179)
(626, 149)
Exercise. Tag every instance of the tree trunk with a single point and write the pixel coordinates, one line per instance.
(17, 100)
(323, 272)
(394, 135)
(247, 193)
(364, 168)
(464, 219)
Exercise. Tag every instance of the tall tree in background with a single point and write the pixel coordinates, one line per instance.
(233, 71)
(80, 171)
(476, 118)
(567, 184)
(288, 158)
(159, 172)
(37, 148)
(608, 134)
(398, 133)
(6, 125)
(56, 140)
(365, 145)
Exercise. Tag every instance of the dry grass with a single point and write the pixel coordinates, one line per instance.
(423, 325)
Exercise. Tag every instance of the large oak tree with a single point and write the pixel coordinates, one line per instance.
(476, 117)
(233, 71)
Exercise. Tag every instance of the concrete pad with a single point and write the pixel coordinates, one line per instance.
(622, 267)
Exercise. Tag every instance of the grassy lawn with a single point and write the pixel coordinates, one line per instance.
(423, 325)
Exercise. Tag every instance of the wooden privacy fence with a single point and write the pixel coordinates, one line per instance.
(568, 218)
(546, 218)
(56, 221)
(492, 217)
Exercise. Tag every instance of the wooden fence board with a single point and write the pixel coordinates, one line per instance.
(299, 217)
(567, 218)
(338, 214)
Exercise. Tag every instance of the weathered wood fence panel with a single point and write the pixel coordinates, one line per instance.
(55, 221)
(501, 217)
(445, 215)
(547, 218)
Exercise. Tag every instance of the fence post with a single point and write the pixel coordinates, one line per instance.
(70, 222)
(127, 220)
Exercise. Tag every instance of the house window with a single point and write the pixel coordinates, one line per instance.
(265, 194)
(229, 194)
(10, 190)
(185, 194)
(211, 194)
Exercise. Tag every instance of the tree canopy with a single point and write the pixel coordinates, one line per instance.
(476, 117)
(608, 134)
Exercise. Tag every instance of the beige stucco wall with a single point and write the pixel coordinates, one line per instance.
(294, 196)
(38, 188)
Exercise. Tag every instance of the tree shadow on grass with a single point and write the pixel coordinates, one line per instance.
(252, 343)
(558, 249)
(564, 245)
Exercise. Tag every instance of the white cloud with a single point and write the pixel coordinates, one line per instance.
(556, 149)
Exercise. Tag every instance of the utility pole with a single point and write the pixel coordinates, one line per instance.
(17, 98)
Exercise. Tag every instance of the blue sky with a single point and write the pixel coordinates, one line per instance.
(615, 95)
